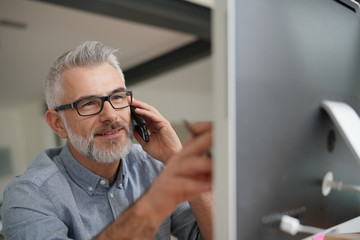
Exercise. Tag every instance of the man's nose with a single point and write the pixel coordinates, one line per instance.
(108, 113)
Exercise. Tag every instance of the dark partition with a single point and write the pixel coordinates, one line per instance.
(291, 55)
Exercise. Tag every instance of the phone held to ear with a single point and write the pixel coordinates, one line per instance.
(139, 125)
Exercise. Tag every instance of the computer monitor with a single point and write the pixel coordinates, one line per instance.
(289, 56)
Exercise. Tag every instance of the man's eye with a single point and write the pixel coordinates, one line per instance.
(118, 96)
(88, 104)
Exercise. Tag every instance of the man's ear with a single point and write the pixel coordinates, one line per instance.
(53, 119)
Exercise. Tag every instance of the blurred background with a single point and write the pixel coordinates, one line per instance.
(164, 51)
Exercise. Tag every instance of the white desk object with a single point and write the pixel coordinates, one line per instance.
(347, 123)
(342, 231)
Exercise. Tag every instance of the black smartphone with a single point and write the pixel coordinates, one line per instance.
(139, 125)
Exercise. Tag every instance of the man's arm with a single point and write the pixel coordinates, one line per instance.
(186, 177)
(202, 207)
(140, 221)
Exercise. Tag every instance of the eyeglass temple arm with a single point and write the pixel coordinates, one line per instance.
(64, 107)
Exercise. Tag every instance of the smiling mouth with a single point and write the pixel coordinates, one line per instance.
(108, 133)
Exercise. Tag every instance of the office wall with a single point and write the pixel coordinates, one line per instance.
(11, 129)
(24, 134)
(181, 94)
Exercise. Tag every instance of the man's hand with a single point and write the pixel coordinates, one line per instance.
(187, 175)
(164, 142)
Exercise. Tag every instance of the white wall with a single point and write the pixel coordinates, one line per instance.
(11, 138)
(184, 93)
(181, 94)
(25, 132)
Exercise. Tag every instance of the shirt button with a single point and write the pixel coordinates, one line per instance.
(90, 188)
(111, 195)
(102, 182)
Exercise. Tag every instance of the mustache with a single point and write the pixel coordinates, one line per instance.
(111, 126)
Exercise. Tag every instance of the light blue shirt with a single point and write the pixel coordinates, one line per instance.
(58, 198)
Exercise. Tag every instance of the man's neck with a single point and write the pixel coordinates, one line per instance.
(104, 170)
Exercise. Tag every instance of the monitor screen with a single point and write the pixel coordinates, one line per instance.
(289, 56)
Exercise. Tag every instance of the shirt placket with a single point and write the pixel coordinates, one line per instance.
(118, 200)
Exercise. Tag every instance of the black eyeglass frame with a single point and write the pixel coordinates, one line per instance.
(103, 99)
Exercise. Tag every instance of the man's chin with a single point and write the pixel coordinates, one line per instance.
(113, 143)
(109, 153)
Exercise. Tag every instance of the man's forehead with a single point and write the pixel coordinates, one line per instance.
(95, 81)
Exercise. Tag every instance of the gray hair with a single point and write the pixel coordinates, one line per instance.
(90, 53)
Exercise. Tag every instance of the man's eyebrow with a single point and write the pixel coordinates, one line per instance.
(119, 90)
(93, 96)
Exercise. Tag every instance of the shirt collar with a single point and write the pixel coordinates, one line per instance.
(82, 176)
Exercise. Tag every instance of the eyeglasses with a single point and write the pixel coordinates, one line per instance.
(94, 105)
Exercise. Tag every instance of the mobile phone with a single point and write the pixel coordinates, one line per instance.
(139, 125)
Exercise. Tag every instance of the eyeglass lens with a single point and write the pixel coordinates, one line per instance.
(93, 105)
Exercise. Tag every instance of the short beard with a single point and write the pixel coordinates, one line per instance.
(87, 146)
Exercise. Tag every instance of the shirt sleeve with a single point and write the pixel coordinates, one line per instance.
(27, 213)
(183, 223)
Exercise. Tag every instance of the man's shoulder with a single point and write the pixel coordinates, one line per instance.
(138, 155)
(140, 161)
(141, 168)
(41, 169)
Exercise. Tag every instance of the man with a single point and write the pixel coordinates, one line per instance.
(99, 185)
